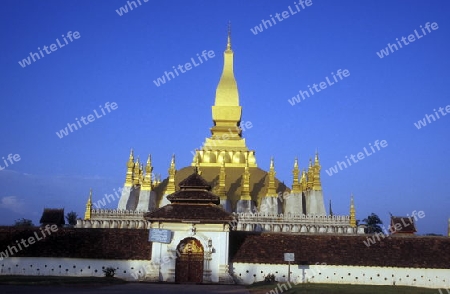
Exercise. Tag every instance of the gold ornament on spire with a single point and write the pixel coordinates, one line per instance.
(310, 175)
(304, 181)
(272, 189)
(87, 214)
(317, 185)
(171, 183)
(130, 165)
(137, 172)
(352, 213)
(296, 184)
(147, 182)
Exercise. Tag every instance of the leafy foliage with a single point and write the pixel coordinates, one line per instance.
(269, 278)
(109, 272)
(23, 222)
(373, 223)
(71, 218)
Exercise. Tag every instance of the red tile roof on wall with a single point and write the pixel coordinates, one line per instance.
(125, 244)
(402, 225)
(248, 247)
(413, 251)
(53, 216)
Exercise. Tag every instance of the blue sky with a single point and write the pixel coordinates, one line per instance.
(116, 58)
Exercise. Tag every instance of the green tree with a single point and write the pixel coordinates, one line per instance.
(24, 223)
(71, 218)
(373, 223)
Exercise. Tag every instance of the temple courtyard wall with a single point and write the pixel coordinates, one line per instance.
(248, 273)
(410, 260)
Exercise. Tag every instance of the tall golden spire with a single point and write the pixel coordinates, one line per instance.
(147, 183)
(87, 214)
(310, 175)
(227, 91)
(272, 189)
(304, 181)
(226, 141)
(130, 165)
(137, 172)
(222, 178)
(296, 184)
(245, 193)
(226, 112)
(171, 184)
(317, 186)
(352, 213)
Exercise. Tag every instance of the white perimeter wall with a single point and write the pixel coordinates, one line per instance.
(247, 273)
(244, 273)
(128, 270)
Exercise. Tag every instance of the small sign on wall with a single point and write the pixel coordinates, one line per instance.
(160, 235)
(289, 257)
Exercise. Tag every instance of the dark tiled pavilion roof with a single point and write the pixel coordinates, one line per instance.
(53, 216)
(194, 189)
(192, 203)
(402, 225)
(195, 181)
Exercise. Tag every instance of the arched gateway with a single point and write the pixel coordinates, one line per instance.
(189, 264)
(195, 229)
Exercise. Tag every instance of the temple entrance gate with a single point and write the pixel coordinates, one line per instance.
(189, 263)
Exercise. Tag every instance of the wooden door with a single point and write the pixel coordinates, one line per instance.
(189, 263)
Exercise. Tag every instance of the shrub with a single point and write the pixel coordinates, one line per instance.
(109, 272)
(269, 278)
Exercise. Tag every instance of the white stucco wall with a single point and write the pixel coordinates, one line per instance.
(244, 273)
(247, 273)
(46, 266)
